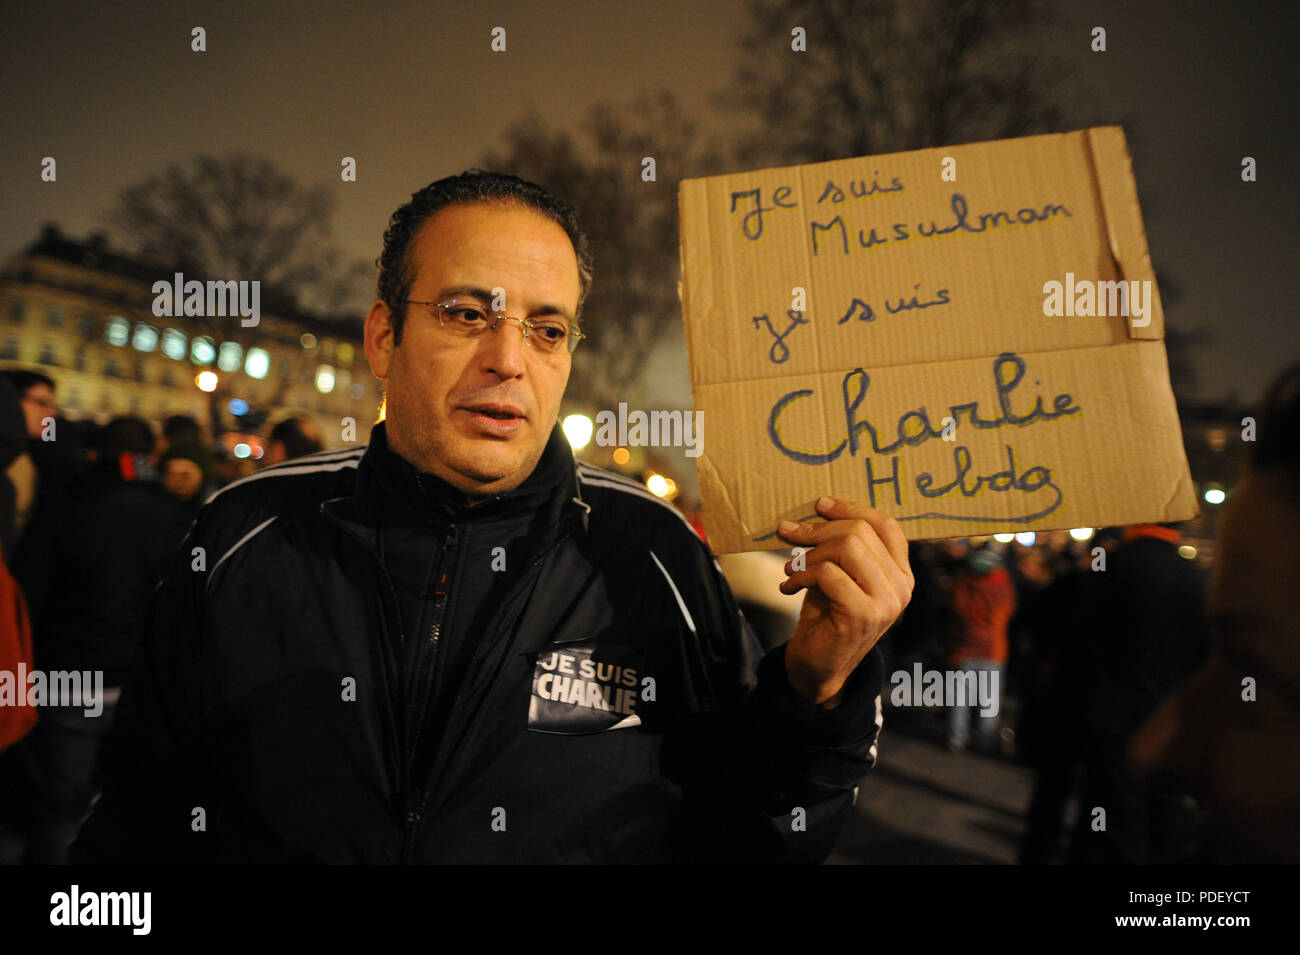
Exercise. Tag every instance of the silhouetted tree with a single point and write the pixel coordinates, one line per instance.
(883, 76)
(239, 217)
(631, 223)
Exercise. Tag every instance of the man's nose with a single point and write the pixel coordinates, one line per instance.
(503, 349)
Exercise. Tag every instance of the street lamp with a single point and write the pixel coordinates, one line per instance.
(577, 428)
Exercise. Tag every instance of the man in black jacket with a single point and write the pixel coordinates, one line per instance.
(456, 645)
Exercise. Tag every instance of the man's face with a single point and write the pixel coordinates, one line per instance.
(477, 411)
(38, 403)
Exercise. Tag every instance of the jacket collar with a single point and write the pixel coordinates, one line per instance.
(388, 487)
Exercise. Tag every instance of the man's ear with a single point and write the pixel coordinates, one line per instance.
(379, 334)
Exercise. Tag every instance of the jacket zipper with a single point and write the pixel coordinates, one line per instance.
(416, 797)
(524, 582)
(416, 807)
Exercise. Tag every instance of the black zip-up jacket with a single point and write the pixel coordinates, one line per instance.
(297, 699)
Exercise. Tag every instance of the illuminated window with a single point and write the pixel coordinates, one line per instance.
(257, 363)
(324, 379)
(345, 354)
(229, 356)
(174, 344)
(145, 337)
(118, 331)
(202, 351)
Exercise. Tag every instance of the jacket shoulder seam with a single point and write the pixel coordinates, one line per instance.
(322, 463)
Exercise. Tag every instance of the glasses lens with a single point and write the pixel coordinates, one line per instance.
(469, 318)
(464, 318)
(551, 336)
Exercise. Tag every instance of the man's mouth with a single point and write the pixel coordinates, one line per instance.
(499, 412)
(495, 420)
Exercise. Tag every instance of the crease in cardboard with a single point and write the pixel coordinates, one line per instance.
(708, 474)
(1112, 176)
(1107, 216)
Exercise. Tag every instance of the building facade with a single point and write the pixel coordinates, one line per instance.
(84, 315)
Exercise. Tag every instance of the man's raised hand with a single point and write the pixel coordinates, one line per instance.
(858, 580)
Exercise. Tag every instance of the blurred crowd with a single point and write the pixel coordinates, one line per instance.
(1087, 637)
(88, 517)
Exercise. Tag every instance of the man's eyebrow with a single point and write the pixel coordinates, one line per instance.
(484, 296)
(452, 291)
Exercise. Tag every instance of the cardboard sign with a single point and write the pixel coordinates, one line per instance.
(969, 339)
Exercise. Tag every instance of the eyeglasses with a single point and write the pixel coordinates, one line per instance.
(469, 319)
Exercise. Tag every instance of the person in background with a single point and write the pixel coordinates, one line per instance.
(1053, 732)
(18, 487)
(94, 563)
(1144, 631)
(36, 395)
(181, 427)
(1230, 733)
(294, 437)
(186, 469)
(53, 444)
(983, 600)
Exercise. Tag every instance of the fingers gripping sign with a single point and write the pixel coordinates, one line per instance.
(858, 580)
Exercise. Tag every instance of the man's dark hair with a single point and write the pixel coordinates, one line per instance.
(22, 379)
(299, 436)
(396, 273)
(181, 427)
(124, 435)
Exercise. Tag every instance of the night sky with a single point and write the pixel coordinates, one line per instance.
(114, 93)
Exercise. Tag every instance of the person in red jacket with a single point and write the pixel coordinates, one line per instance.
(983, 600)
